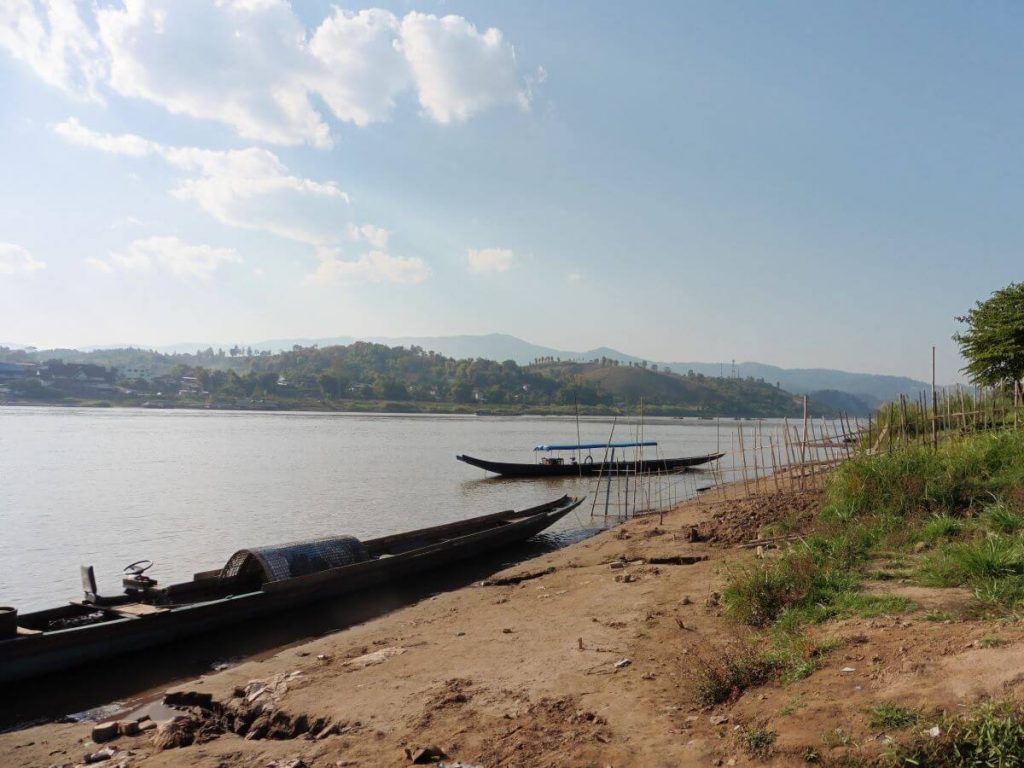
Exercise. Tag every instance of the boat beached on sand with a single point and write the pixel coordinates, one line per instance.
(557, 466)
(255, 582)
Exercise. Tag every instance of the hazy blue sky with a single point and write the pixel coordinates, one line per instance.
(805, 184)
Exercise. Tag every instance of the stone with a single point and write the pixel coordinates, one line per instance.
(424, 755)
(128, 727)
(98, 757)
(188, 699)
(105, 732)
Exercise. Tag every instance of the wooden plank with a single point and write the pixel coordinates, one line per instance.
(137, 609)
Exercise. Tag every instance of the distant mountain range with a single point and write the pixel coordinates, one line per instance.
(868, 387)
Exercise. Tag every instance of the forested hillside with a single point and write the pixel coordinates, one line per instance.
(364, 375)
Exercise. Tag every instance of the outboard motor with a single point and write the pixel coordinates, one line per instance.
(134, 580)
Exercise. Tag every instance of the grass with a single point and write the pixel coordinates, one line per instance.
(1001, 518)
(991, 641)
(941, 527)
(962, 498)
(886, 503)
(758, 742)
(988, 735)
(892, 717)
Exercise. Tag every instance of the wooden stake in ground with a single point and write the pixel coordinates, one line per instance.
(935, 408)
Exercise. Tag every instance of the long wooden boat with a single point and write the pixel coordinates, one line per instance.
(558, 467)
(254, 582)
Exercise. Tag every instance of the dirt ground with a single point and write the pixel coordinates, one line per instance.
(589, 663)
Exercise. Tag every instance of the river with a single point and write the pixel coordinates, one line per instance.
(187, 488)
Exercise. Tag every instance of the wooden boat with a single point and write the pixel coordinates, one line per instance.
(254, 582)
(559, 467)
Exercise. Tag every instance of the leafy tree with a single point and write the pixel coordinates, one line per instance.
(993, 343)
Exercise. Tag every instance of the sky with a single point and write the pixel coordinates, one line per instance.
(798, 183)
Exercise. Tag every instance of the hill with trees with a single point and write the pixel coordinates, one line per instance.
(367, 376)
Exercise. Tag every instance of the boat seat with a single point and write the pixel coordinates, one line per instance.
(125, 610)
(137, 609)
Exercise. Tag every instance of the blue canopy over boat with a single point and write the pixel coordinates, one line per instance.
(588, 446)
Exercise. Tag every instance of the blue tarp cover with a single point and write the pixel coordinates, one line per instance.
(588, 446)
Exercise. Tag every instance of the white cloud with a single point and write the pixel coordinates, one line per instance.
(181, 259)
(363, 70)
(53, 40)
(99, 265)
(490, 260)
(17, 260)
(124, 222)
(574, 277)
(123, 144)
(242, 64)
(373, 267)
(458, 70)
(376, 236)
(248, 188)
(254, 66)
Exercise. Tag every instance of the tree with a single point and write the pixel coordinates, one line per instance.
(993, 343)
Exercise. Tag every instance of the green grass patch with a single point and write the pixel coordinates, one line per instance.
(999, 517)
(941, 527)
(989, 735)
(892, 717)
(796, 655)
(992, 566)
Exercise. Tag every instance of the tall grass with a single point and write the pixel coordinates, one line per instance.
(891, 501)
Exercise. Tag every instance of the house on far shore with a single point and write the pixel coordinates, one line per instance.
(135, 372)
(15, 371)
(76, 378)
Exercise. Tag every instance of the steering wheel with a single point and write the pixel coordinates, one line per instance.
(138, 568)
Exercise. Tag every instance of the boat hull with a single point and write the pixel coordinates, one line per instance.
(35, 655)
(647, 466)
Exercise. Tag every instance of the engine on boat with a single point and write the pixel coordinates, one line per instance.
(298, 558)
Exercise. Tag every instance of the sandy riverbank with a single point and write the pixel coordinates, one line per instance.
(590, 663)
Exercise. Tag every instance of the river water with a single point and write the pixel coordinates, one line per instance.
(187, 488)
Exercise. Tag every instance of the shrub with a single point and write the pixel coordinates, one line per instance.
(758, 742)
(722, 675)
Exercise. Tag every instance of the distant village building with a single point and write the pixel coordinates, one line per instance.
(72, 378)
(15, 371)
(134, 372)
